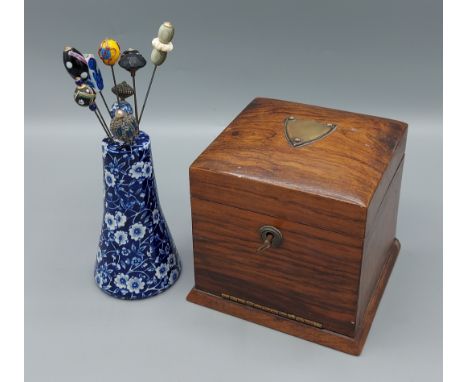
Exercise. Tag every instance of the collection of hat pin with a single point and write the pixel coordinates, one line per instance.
(84, 70)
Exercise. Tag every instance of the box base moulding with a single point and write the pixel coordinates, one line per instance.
(296, 326)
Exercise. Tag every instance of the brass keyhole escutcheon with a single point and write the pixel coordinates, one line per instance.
(270, 236)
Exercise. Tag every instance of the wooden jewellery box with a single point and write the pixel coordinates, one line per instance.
(294, 209)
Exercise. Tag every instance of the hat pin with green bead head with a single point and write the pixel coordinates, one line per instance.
(85, 96)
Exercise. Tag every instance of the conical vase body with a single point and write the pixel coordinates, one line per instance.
(137, 257)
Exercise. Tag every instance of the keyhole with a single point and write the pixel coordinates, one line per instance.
(270, 236)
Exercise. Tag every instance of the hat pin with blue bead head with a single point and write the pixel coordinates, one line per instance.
(121, 105)
(96, 77)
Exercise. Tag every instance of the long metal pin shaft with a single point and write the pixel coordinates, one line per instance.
(135, 96)
(115, 82)
(100, 121)
(103, 122)
(147, 93)
(105, 103)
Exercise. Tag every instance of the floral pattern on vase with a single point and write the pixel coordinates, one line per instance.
(137, 257)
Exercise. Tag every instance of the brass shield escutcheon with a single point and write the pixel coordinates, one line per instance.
(302, 132)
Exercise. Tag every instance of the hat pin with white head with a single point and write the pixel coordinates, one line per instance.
(161, 46)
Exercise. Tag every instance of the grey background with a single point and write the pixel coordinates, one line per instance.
(376, 57)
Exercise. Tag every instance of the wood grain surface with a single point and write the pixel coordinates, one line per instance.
(313, 274)
(335, 201)
(378, 240)
(329, 183)
(351, 345)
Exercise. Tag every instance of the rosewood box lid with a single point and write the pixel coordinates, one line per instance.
(346, 165)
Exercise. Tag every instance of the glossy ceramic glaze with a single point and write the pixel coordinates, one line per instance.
(137, 257)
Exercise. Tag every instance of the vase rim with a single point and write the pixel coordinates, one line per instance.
(141, 142)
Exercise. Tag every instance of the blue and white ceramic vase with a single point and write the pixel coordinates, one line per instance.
(137, 257)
